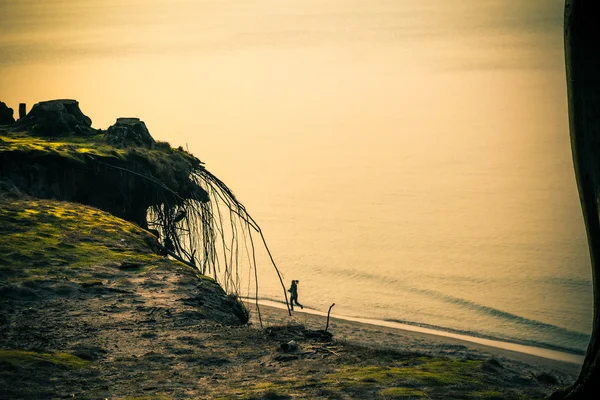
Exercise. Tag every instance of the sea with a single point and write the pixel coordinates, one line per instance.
(408, 161)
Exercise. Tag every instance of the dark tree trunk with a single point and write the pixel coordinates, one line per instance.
(582, 50)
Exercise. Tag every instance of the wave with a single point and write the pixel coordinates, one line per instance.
(580, 337)
(476, 334)
(497, 313)
(572, 282)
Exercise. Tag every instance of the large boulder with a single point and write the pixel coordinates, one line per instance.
(6, 114)
(56, 118)
(129, 132)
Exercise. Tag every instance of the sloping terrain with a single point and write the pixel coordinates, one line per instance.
(89, 311)
(79, 281)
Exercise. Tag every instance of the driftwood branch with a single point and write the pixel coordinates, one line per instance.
(328, 313)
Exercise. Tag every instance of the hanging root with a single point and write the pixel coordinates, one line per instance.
(197, 216)
(206, 234)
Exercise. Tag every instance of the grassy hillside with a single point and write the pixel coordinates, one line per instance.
(125, 181)
(62, 263)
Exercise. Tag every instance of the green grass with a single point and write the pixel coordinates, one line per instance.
(401, 393)
(487, 394)
(73, 147)
(422, 371)
(47, 242)
(415, 377)
(43, 238)
(169, 165)
(29, 359)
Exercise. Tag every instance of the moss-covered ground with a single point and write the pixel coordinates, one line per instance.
(88, 310)
(73, 147)
(124, 181)
(44, 239)
(79, 147)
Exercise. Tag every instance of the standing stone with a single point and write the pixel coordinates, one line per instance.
(22, 110)
(129, 132)
(56, 118)
(6, 114)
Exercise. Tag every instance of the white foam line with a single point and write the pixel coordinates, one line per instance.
(520, 348)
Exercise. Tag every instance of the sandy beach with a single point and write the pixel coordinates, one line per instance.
(381, 337)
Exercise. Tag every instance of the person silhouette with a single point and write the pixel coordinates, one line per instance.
(294, 295)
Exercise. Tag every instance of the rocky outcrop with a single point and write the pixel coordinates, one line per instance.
(6, 114)
(129, 132)
(122, 171)
(56, 118)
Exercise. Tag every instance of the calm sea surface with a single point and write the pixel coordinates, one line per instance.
(407, 160)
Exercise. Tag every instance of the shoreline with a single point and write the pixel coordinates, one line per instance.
(386, 334)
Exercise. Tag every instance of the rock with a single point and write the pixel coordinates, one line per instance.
(546, 378)
(22, 110)
(491, 365)
(6, 114)
(56, 118)
(290, 346)
(129, 132)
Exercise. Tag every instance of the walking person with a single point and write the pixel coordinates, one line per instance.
(294, 295)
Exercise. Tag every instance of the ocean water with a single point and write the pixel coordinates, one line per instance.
(408, 161)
